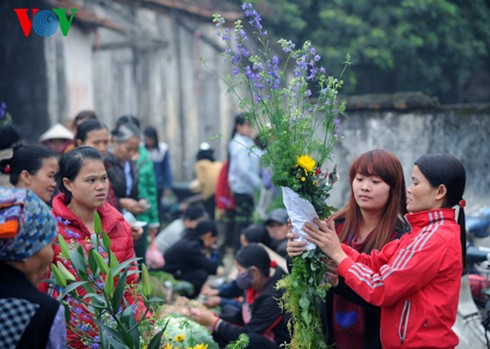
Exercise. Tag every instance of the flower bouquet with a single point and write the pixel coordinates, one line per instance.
(97, 312)
(294, 104)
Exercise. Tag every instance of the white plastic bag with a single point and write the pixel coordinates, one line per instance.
(300, 211)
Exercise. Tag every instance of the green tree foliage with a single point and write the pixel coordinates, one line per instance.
(439, 47)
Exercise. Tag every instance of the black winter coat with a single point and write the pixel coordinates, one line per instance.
(266, 313)
(115, 172)
(26, 314)
(188, 255)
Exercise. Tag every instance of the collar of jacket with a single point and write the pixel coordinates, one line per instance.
(423, 218)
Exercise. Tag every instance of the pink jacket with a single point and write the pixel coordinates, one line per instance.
(415, 281)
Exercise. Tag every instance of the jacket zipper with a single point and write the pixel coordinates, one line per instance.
(402, 329)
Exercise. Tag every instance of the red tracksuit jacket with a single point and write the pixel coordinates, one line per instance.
(415, 281)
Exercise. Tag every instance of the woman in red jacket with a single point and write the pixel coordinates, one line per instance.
(415, 280)
(372, 217)
(83, 184)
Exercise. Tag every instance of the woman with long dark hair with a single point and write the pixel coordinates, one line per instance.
(372, 217)
(414, 280)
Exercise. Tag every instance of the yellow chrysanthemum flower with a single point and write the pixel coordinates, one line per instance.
(303, 179)
(306, 162)
(168, 346)
(201, 346)
(179, 338)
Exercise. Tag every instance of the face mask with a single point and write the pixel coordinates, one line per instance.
(244, 280)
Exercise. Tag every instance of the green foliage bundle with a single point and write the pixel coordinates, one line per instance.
(295, 106)
(98, 296)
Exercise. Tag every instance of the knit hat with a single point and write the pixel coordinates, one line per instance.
(26, 224)
(279, 215)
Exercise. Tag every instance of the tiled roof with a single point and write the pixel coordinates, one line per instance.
(85, 16)
(200, 8)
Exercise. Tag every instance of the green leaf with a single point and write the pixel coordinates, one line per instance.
(157, 339)
(109, 284)
(71, 287)
(100, 261)
(106, 240)
(113, 262)
(145, 281)
(64, 246)
(135, 332)
(68, 275)
(58, 276)
(78, 262)
(123, 265)
(119, 293)
(92, 263)
(97, 223)
(304, 303)
(96, 300)
(115, 338)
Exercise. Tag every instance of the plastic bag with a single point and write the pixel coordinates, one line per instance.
(300, 211)
(154, 258)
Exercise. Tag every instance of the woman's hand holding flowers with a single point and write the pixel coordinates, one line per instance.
(294, 248)
(326, 238)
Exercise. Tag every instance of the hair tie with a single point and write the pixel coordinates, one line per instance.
(462, 203)
(273, 264)
(7, 169)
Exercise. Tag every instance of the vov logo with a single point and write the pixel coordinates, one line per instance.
(45, 22)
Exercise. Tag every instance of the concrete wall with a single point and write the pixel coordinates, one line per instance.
(160, 79)
(460, 130)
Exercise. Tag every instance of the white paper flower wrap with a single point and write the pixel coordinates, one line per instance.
(300, 211)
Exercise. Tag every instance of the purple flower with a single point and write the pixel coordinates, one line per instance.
(71, 234)
(3, 110)
(235, 59)
(243, 35)
(287, 46)
(253, 16)
(338, 130)
(312, 75)
(249, 73)
(60, 219)
(100, 284)
(224, 35)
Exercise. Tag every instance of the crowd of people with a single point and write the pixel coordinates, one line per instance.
(393, 250)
